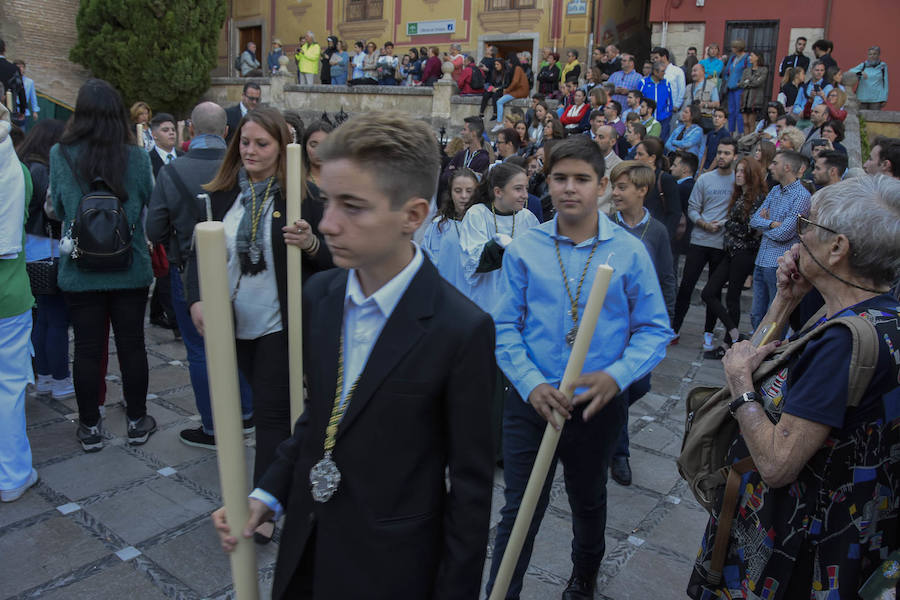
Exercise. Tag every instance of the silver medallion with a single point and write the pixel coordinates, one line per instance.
(254, 253)
(324, 479)
(570, 337)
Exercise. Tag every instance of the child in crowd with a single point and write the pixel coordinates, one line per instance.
(631, 180)
(489, 227)
(543, 283)
(441, 241)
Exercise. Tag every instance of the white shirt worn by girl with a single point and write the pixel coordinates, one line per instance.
(479, 227)
(257, 311)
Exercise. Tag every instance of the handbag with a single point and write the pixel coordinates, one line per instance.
(42, 273)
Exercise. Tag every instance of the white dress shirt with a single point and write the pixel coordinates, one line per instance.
(364, 318)
(163, 154)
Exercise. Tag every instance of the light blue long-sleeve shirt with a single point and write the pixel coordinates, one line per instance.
(874, 88)
(30, 97)
(533, 318)
(783, 204)
(804, 92)
(692, 140)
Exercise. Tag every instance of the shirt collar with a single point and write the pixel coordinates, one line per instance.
(244, 109)
(388, 295)
(163, 154)
(785, 188)
(622, 222)
(604, 229)
(683, 179)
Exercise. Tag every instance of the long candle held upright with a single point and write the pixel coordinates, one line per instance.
(221, 365)
(551, 436)
(294, 283)
(139, 130)
(9, 101)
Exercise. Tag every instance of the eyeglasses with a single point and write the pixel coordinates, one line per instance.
(803, 225)
(252, 99)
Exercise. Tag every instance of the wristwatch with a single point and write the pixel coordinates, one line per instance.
(741, 400)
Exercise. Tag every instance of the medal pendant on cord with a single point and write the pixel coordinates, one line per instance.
(570, 337)
(254, 253)
(324, 478)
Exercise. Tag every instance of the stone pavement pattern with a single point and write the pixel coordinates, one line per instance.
(133, 522)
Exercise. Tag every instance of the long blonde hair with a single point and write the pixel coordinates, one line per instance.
(272, 121)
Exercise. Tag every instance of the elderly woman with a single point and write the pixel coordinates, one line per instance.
(820, 510)
(873, 80)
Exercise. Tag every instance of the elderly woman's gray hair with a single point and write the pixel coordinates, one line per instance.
(867, 211)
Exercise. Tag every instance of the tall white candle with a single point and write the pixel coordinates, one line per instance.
(221, 366)
(294, 199)
(140, 135)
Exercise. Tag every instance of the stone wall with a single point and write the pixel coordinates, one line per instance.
(679, 37)
(41, 33)
(441, 106)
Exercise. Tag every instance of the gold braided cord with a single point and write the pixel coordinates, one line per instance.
(573, 301)
(256, 211)
(496, 230)
(338, 410)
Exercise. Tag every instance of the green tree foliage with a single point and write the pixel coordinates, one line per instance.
(158, 51)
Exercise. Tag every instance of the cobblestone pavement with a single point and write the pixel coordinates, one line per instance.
(132, 522)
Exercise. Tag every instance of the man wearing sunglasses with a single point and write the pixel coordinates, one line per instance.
(777, 219)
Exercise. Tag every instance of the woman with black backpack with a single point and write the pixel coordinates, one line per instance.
(100, 182)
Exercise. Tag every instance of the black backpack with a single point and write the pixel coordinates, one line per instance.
(477, 81)
(100, 230)
(237, 62)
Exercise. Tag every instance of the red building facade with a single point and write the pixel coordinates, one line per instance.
(853, 26)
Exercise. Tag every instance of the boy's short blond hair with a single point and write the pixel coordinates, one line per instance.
(401, 151)
(640, 174)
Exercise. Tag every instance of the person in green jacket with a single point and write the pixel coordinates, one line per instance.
(307, 57)
(99, 143)
(16, 472)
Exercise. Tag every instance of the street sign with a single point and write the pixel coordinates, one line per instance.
(430, 27)
(576, 7)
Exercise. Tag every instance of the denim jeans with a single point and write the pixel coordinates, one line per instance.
(196, 355)
(90, 312)
(735, 119)
(50, 336)
(501, 102)
(664, 129)
(585, 449)
(15, 375)
(764, 289)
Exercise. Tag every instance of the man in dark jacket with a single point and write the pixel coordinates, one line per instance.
(249, 100)
(174, 210)
(11, 78)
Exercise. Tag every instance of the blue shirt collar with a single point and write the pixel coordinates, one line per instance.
(620, 221)
(604, 228)
(683, 179)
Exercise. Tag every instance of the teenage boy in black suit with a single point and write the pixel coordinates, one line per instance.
(404, 364)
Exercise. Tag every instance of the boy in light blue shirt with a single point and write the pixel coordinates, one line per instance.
(547, 273)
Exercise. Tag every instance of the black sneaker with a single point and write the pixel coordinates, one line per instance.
(198, 438)
(249, 427)
(140, 430)
(90, 437)
(620, 470)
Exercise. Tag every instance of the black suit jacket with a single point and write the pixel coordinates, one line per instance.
(233, 116)
(158, 163)
(393, 529)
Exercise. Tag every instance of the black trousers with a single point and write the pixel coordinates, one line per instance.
(490, 97)
(733, 270)
(161, 299)
(89, 313)
(264, 362)
(697, 257)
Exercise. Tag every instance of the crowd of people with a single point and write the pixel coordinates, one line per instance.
(447, 337)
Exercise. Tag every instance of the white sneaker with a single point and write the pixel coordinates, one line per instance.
(44, 384)
(63, 388)
(16, 493)
(497, 127)
(708, 341)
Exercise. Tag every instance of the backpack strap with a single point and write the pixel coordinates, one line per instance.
(863, 357)
(182, 188)
(68, 159)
